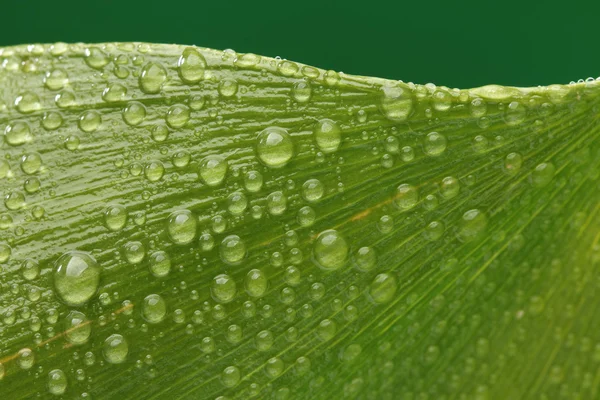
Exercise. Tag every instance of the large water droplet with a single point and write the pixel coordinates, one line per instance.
(115, 349)
(275, 147)
(383, 288)
(77, 327)
(396, 103)
(191, 65)
(330, 250)
(17, 133)
(152, 78)
(256, 283)
(233, 249)
(115, 217)
(160, 264)
(213, 170)
(434, 144)
(473, 224)
(154, 308)
(96, 58)
(57, 382)
(406, 196)
(76, 277)
(542, 174)
(223, 288)
(328, 135)
(365, 258)
(182, 225)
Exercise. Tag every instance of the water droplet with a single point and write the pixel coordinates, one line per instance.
(160, 264)
(232, 250)
(96, 58)
(264, 340)
(57, 382)
(154, 170)
(115, 217)
(328, 135)
(276, 203)
(237, 203)
(434, 231)
(275, 147)
(181, 159)
(25, 358)
(154, 308)
(76, 277)
(178, 116)
(450, 187)
(134, 113)
(51, 120)
(31, 163)
(515, 113)
(89, 121)
(253, 181)
(182, 225)
(396, 103)
(513, 163)
(480, 144)
(326, 329)
(72, 142)
(442, 100)
(473, 224)
(312, 190)
(434, 144)
(406, 196)
(77, 327)
(302, 91)
(542, 174)
(56, 79)
(191, 65)
(213, 170)
(228, 87)
(152, 78)
(223, 288)
(365, 258)
(256, 283)
(134, 252)
(230, 376)
(478, 108)
(115, 349)
(30, 269)
(27, 103)
(17, 133)
(5, 252)
(306, 216)
(330, 250)
(114, 92)
(274, 367)
(383, 288)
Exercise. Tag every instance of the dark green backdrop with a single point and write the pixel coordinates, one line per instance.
(460, 43)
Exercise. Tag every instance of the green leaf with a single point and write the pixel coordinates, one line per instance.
(180, 222)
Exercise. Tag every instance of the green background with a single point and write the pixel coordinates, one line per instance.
(453, 43)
